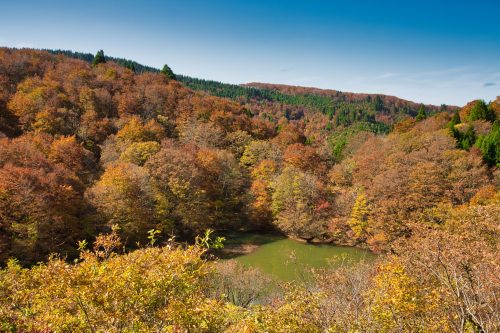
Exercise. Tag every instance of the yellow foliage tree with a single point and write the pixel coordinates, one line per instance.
(400, 304)
(139, 152)
(124, 196)
(358, 221)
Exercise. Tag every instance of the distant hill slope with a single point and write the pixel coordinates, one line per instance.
(345, 96)
(342, 108)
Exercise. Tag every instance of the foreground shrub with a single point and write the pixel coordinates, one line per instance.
(153, 289)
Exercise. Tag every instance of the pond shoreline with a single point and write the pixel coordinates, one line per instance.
(235, 248)
(285, 258)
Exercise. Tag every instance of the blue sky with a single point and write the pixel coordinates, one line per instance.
(426, 51)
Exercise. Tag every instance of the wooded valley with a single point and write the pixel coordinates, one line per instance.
(111, 173)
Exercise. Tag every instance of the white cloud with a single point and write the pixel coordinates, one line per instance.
(387, 75)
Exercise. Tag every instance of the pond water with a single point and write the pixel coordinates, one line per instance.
(287, 259)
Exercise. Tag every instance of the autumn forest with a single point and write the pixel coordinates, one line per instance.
(119, 182)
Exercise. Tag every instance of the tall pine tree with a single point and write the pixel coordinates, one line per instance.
(99, 58)
(169, 74)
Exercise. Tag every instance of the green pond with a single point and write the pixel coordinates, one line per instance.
(287, 259)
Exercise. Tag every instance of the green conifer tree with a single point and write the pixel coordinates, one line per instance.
(480, 111)
(456, 118)
(468, 138)
(490, 145)
(421, 115)
(99, 58)
(169, 74)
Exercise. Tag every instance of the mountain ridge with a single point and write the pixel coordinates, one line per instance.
(284, 88)
(291, 89)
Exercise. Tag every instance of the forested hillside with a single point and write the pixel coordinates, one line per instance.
(340, 107)
(112, 153)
